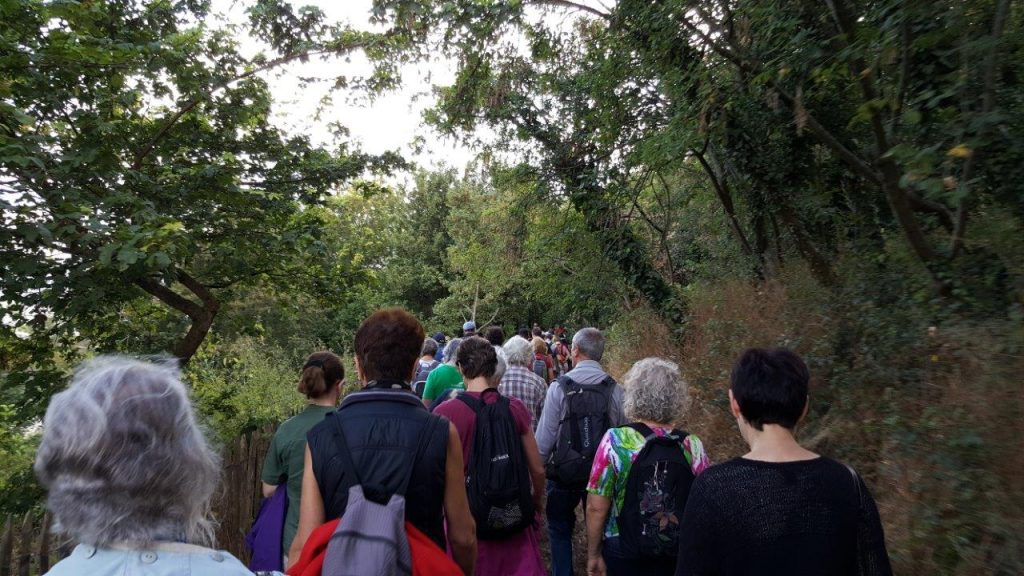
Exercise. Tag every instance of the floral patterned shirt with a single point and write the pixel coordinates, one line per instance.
(615, 455)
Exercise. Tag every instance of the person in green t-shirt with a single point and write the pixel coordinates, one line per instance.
(321, 382)
(445, 377)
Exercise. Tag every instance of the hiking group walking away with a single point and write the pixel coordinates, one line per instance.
(455, 458)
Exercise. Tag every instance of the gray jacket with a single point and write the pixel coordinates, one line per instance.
(586, 373)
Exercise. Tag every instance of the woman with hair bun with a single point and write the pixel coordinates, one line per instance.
(321, 381)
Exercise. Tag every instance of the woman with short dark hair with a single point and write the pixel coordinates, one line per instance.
(386, 430)
(426, 365)
(518, 554)
(780, 508)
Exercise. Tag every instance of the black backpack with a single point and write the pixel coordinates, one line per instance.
(498, 478)
(656, 491)
(586, 420)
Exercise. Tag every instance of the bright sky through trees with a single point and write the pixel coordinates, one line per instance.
(391, 122)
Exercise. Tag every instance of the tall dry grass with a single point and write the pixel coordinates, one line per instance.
(931, 416)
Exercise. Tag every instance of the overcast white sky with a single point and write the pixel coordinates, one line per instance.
(391, 122)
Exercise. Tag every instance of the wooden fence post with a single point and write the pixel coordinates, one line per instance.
(6, 548)
(44, 544)
(25, 545)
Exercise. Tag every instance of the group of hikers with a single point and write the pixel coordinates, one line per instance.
(454, 466)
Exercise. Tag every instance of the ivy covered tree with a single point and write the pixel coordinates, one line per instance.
(814, 123)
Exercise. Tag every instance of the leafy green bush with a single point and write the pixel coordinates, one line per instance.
(243, 385)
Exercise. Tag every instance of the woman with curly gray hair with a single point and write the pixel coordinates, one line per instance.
(633, 511)
(130, 474)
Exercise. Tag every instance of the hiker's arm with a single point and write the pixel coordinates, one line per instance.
(547, 427)
(536, 469)
(617, 413)
(268, 490)
(461, 527)
(311, 509)
(274, 470)
(597, 515)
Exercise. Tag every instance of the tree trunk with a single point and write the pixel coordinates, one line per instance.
(820, 265)
(201, 314)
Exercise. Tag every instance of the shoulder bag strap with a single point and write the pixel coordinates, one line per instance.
(642, 428)
(343, 449)
(474, 404)
(680, 434)
(856, 484)
(425, 434)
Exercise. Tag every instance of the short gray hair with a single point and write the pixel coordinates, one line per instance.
(451, 350)
(655, 391)
(429, 347)
(590, 342)
(518, 351)
(124, 459)
(500, 366)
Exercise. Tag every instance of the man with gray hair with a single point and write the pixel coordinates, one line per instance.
(582, 404)
(520, 381)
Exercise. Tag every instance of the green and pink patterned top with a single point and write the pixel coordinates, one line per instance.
(615, 455)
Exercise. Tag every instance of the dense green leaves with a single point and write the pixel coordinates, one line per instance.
(137, 157)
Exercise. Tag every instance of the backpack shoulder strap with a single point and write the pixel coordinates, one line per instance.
(856, 483)
(426, 432)
(642, 428)
(477, 404)
(608, 381)
(343, 450)
(567, 383)
(474, 404)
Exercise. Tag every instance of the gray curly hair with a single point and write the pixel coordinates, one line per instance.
(655, 391)
(519, 351)
(123, 458)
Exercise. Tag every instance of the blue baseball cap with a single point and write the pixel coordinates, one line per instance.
(469, 325)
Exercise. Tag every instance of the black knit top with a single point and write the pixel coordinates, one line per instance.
(813, 517)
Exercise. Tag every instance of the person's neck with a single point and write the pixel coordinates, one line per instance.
(774, 444)
(478, 384)
(329, 400)
(426, 358)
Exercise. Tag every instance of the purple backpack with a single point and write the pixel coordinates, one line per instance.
(370, 540)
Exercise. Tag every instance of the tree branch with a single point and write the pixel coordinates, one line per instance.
(855, 162)
(988, 100)
(924, 205)
(201, 316)
(170, 297)
(725, 197)
(573, 6)
(198, 289)
(188, 107)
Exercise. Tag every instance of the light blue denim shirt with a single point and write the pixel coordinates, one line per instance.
(166, 559)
